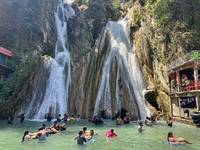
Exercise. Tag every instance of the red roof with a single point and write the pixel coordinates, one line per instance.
(6, 52)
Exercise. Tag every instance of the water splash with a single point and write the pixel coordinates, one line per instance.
(128, 71)
(55, 99)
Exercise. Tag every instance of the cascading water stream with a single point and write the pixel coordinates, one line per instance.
(57, 90)
(128, 70)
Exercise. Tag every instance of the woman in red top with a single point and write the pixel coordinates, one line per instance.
(171, 138)
(90, 119)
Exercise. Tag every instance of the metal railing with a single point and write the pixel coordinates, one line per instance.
(183, 88)
(194, 55)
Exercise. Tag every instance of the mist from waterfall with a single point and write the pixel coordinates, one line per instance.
(55, 98)
(128, 70)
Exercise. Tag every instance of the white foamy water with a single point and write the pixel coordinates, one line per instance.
(128, 70)
(56, 95)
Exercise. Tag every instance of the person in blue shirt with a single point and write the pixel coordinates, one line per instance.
(49, 117)
(22, 118)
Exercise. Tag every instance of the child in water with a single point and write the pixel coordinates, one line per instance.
(112, 133)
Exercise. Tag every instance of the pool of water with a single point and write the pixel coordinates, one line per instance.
(128, 138)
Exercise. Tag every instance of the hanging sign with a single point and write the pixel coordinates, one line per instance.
(6, 52)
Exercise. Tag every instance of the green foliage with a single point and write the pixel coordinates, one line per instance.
(136, 18)
(97, 12)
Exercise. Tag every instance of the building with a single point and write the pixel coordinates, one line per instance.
(5, 56)
(183, 76)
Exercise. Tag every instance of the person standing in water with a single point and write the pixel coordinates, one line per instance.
(72, 119)
(65, 118)
(49, 117)
(169, 122)
(58, 118)
(21, 117)
(90, 119)
(140, 127)
(119, 121)
(171, 138)
(42, 134)
(27, 136)
(10, 120)
(80, 138)
(78, 119)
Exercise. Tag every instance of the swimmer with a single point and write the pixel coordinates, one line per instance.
(126, 120)
(153, 120)
(89, 137)
(10, 120)
(80, 138)
(112, 133)
(21, 117)
(42, 134)
(27, 136)
(169, 122)
(55, 125)
(140, 127)
(119, 121)
(58, 118)
(49, 117)
(146, 121)
(72, 119)
(90, 119)
(171, 138)
(65, 118)
(149, 122)
(48, 129)
(84, 131)
(78, 119)
(98, 121)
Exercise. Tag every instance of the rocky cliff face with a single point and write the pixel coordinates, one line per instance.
(156, 44)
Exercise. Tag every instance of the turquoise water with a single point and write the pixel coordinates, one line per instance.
(128, 138)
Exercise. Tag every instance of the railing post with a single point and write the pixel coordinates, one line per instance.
(178, 80)
(196, 75)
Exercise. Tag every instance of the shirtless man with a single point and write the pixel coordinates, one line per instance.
(55, 125)
(119, 121)
(48, 129)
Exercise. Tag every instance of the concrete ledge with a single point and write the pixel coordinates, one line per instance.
(184, 121)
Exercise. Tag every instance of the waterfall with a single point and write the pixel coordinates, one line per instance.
(128, 71)
(55, 98)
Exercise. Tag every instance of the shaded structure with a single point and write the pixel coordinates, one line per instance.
(183, 77)
(5, 56)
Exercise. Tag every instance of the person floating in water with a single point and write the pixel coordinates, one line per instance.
(90, 119)
(80, 138)
(119, 121)
(171, 138)
(98, 121)
(42, 134)
(72, 119)
(48, 129)
(57, 126)
(65, 118)
(27, 136)
(49, 117)
(169, 122)
(58, 118)
(10, 120)
(78, 119)
(90, 135)
(112, 133)
(140, 127)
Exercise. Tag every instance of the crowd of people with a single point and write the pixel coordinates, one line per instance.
(84, 135)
